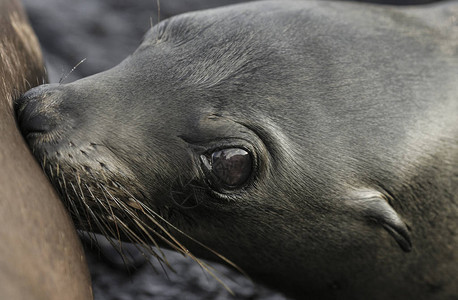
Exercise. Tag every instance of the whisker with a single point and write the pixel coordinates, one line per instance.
(71, 71)
(103, 205)
(85, 206)
(196, 241)
(73, 207)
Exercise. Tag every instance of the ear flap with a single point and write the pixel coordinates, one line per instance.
(375, 207)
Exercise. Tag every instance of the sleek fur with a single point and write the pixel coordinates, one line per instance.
(40, 254)
(349, 113)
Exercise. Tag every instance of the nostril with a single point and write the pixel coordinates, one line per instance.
(35, 124)
(28, 101)
(33, 98)
(34, 110)
(29, 117)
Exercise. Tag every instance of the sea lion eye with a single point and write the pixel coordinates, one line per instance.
(230, 167)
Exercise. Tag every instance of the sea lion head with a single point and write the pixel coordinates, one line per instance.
(218, 135)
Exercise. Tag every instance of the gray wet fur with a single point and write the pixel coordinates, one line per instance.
(349, 112)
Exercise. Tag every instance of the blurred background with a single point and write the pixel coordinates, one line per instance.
(103, 31)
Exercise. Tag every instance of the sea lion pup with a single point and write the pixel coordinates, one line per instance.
(312, 144)
(40, 254)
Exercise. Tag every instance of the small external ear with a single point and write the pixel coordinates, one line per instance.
(375, 207)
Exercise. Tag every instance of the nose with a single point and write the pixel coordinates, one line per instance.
(32, 117)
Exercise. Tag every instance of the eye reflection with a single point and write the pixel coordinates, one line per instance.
(231, 166)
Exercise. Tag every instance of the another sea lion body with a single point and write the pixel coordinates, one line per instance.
(40, 254)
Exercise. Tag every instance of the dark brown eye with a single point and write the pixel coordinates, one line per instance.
(231, 166)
